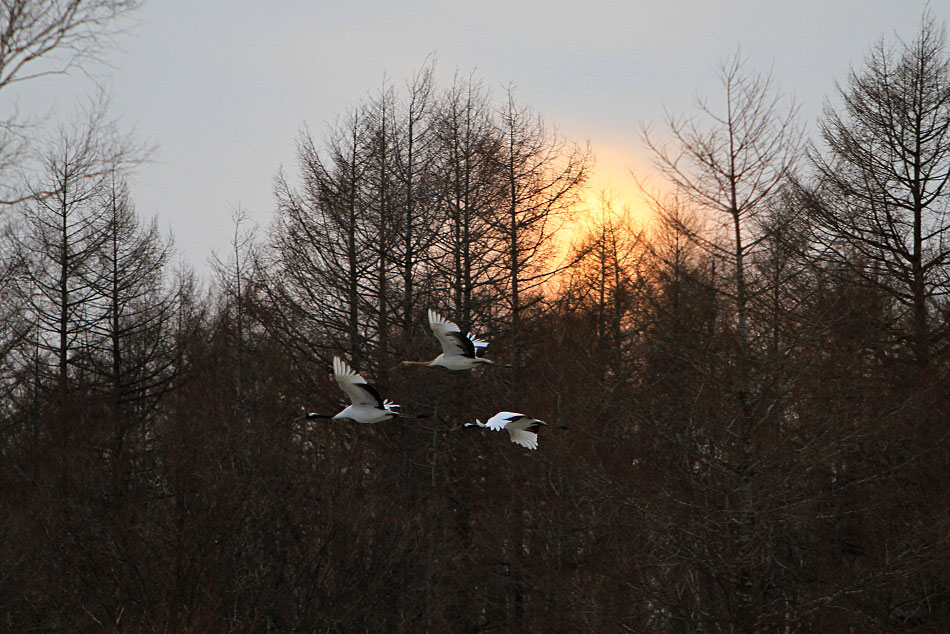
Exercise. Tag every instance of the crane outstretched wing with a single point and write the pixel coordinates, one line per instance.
(522, 429)
(501, 420)
(454, 341)
(359, 391)
(527, 437)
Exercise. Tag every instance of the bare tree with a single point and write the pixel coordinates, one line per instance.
(469, 251)
(380, 204)
(883, 193)
(417, 221)
(130, 344)
(317, 281)
(43, 37)
(62, 236)
(40, 37)
(730, 165)
(542, 175)
(14, 324)
(234, 276)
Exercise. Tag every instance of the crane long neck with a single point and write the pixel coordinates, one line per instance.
(418, 362)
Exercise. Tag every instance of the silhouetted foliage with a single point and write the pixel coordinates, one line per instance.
(745, 434)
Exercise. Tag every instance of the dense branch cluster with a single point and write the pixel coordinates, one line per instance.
(755, 385)
(414, 202)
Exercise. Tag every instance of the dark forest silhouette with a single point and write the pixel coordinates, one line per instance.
(754, 388)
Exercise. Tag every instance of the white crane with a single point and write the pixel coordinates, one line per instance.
(366, 404)
(522, 429)
(460, 351)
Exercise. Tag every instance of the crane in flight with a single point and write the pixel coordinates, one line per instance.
(366, 403)
(522, 429)
(460, 350)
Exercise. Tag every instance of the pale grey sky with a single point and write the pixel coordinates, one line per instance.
(223, 88)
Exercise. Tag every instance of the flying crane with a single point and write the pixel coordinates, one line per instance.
(522, 429)
(460, 350)
(366, 404)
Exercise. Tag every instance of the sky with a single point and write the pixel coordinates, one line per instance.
(222, 90)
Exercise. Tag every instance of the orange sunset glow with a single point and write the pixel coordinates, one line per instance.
(611, 181)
